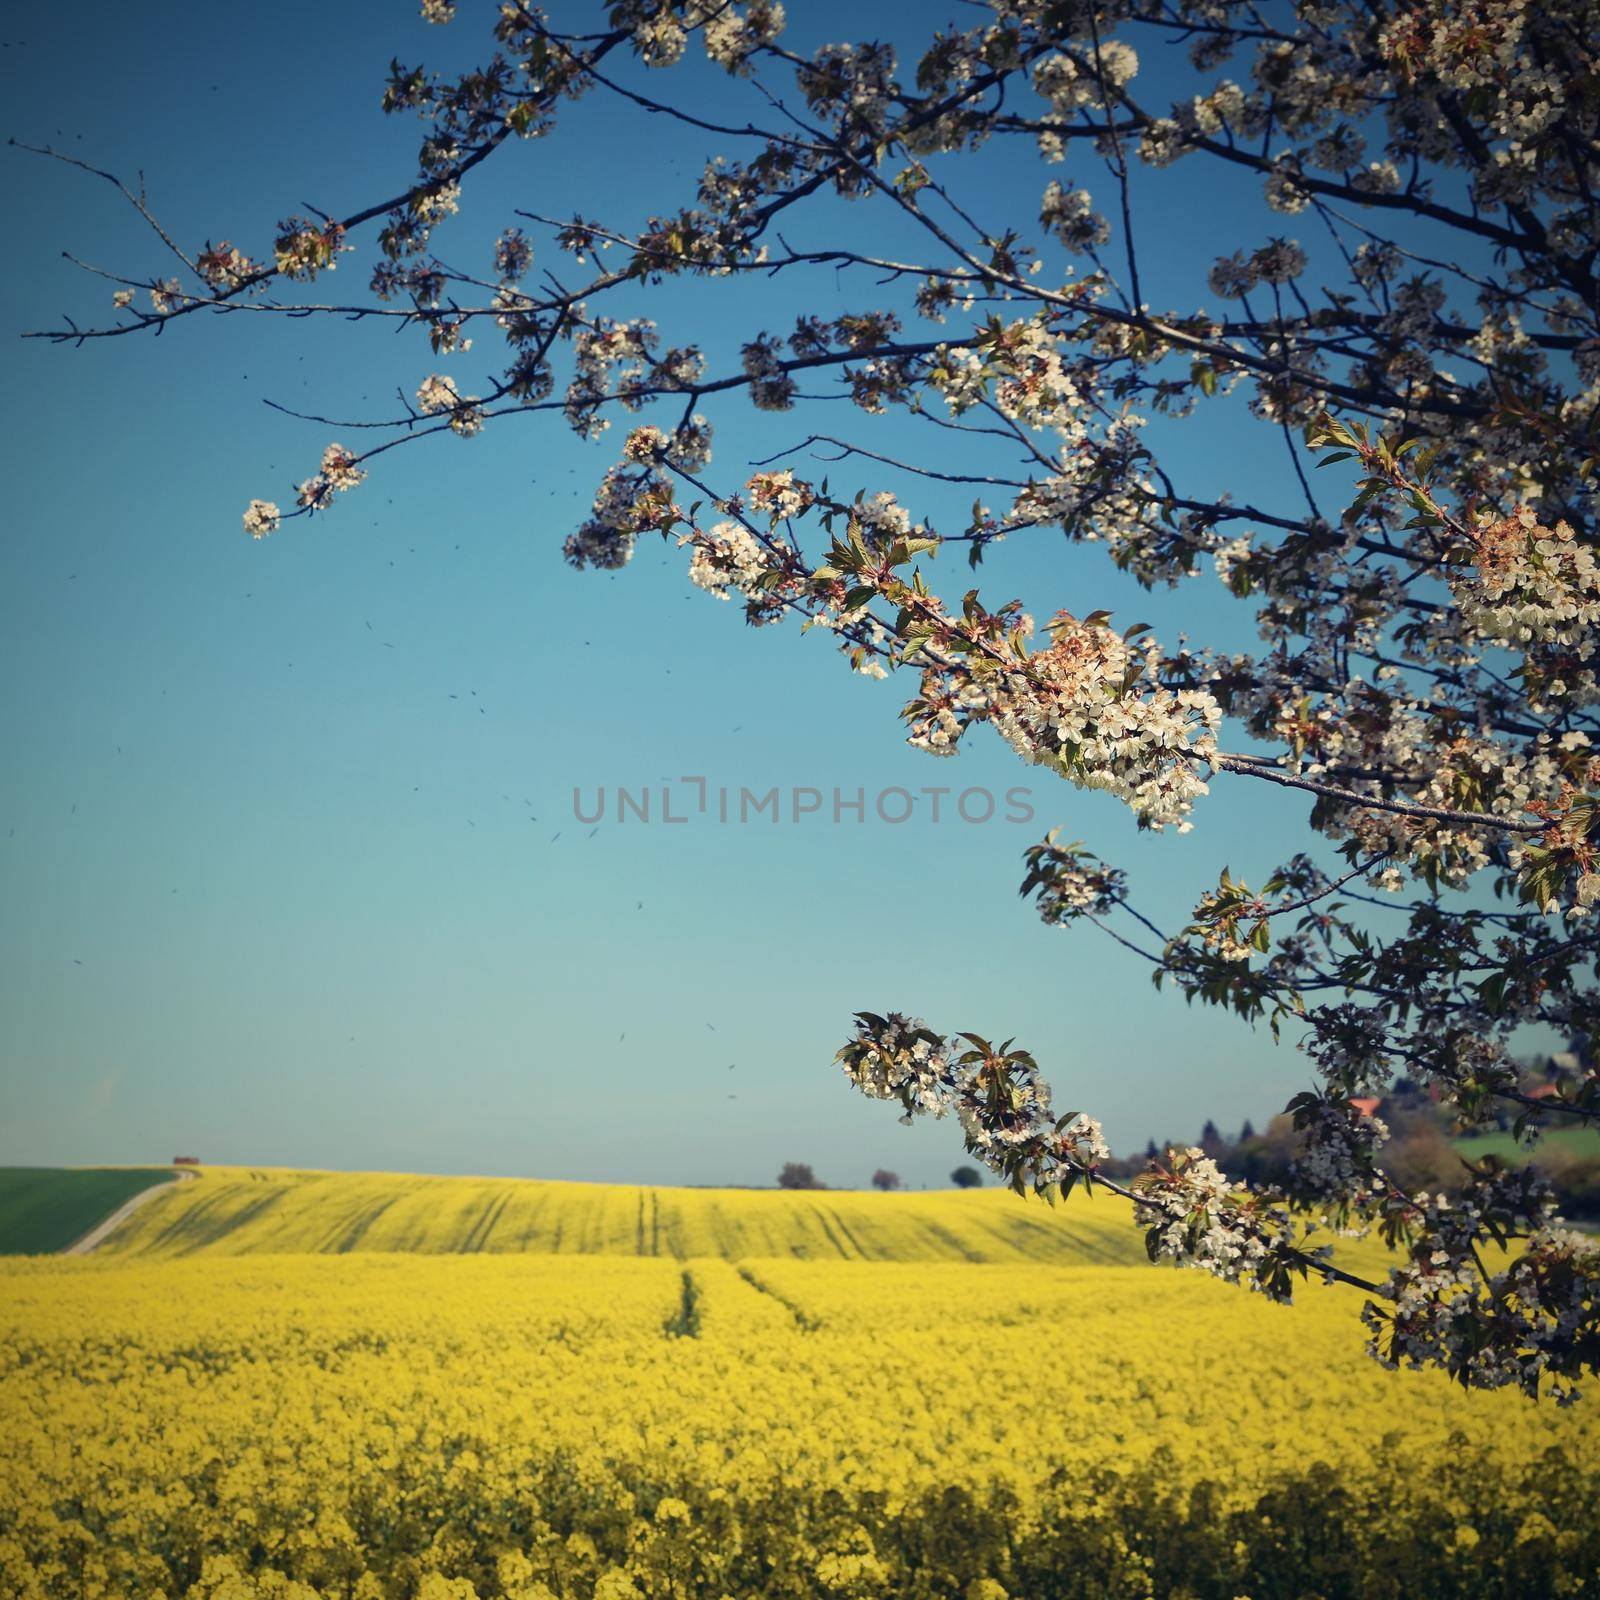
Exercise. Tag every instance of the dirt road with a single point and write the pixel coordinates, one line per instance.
(102, 1230)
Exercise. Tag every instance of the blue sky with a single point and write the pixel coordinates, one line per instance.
(273, 889)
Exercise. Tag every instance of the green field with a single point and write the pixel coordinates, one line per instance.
(44, 1209)
(1558, 1141)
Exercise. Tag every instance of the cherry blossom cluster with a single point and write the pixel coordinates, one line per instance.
(303, 249)
(996, 1093)
(1093, 707)
(1530, 1324)
(631, 499)
(261, 517)
(337, 473)
(728, 32)
(1530, 584)
(226, 268)
(1068, 881)
(1336, 1161)
(728, 558)
(437, 395)
(780, 494)
(1195, 1216)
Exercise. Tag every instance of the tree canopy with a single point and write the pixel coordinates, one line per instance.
(798, 1175)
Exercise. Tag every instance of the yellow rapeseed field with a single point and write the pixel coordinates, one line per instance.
(243, 1211)
(518, 1426)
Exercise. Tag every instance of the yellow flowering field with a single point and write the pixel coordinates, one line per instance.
(240, 1211)
(522, 1426)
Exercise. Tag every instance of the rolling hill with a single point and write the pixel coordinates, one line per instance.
(253, 1211)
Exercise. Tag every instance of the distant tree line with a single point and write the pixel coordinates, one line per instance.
(800, 1175)
(1427, 1150)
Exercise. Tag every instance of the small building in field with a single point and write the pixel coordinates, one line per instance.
(186, 1161)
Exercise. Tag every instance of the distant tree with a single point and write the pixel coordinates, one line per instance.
(1405, 1094)
(1211, 1140)
(1268, 1158)
(1420, 1157)
(798, 1175)
(1152, 1151)
(1248, 1131)
(883, 1178)
(967, 1178)
(1576, 1180)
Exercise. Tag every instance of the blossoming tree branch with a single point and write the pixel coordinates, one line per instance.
(1416, 308)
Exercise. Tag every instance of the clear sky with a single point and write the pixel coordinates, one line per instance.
(280, 874)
